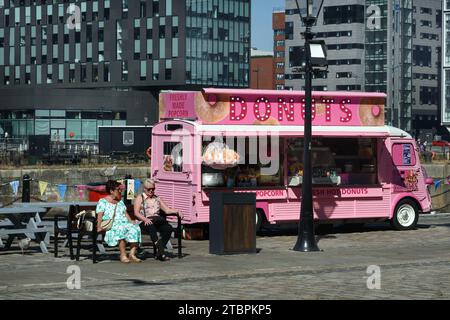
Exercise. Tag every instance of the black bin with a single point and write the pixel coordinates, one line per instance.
(232, 222)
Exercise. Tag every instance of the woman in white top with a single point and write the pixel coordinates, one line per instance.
(147, 208)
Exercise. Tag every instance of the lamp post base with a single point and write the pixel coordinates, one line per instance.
(306, 245)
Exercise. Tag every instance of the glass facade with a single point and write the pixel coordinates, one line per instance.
(391, 73)
(121, 46)
(446, 65)
(217, 39)
(377, 49)
(68, 125)
(218, 42)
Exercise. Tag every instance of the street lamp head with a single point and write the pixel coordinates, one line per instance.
(310, 18)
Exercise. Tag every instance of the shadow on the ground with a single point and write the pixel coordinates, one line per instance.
(428, 225)
(327, 231)
(142, 283)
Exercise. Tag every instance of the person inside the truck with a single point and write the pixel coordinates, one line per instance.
(150, 209)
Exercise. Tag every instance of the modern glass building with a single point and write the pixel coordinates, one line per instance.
(67, 67)
(446, 64)
(378, 46)
(391, 31)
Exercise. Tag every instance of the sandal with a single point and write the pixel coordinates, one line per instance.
(134, 259)
(124, 259)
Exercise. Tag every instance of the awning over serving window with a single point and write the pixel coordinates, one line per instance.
(293, 131)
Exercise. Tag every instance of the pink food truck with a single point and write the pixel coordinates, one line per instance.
(226, 140)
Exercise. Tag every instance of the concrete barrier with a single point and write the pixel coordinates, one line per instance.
(441, 195)
(70, 176)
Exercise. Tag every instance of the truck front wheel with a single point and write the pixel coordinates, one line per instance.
(406, 215)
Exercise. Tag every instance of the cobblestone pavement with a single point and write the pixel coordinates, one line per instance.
(413, 265)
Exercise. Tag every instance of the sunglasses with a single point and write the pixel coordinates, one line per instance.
(149, 189)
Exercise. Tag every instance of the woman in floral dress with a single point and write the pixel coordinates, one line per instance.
(124, 230)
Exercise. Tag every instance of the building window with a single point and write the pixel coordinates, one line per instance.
(83, 72)
(143, 70)
(279, 43)
(343, 14)
(95, 72)
(38, 15)
(119, 49)
(2, 38)
(149, 49)
(95, 10)
(49, 73)
(143, 9)
(38, 74)
(124, 70)
(168, 70)
(55, 53)
(162, 31)
(155, 70)
(50, 14)
(60, 73)
(106, 72)
(17, 75)
(72, 73)
(27, 15)
(124, 9)
(155, 8)
(106, 11)
(137, 49)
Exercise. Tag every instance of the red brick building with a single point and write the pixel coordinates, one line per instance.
(262, 73)
(278, 26)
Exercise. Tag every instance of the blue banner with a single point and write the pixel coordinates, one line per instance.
(137, 185)
(437, 183)
(15, 187)
(62, 188)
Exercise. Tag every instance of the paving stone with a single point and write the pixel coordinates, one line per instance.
(414, 265)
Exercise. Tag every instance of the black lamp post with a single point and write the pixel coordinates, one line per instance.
(306, 241)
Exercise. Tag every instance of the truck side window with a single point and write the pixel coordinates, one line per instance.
(404, 154)
(173, 157)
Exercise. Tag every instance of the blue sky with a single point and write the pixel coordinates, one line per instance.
(262, 34)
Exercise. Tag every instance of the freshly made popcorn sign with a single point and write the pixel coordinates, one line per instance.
(262, 107)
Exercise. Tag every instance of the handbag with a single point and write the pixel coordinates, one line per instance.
(84, 220)
(107, 224)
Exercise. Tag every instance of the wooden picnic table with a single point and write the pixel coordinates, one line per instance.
(24, 221)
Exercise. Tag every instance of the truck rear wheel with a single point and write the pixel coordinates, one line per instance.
(259, 219)
(406, 215)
